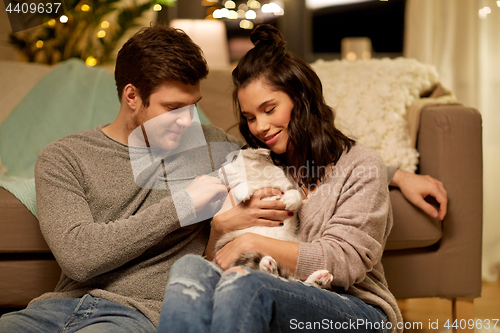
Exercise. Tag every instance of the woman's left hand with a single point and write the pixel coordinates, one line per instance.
(226, 256)
(416, 188)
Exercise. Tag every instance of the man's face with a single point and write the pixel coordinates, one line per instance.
(167, 123)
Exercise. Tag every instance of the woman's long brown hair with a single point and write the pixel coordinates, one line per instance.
(313, 140)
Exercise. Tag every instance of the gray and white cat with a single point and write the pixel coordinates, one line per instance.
(246, 171)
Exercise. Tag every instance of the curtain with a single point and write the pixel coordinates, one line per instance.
(462, 39)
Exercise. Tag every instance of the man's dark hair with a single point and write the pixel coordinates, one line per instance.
(156, 55)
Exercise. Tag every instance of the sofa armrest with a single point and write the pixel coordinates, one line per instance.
(450, 145)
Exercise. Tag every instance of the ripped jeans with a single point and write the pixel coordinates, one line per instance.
(201, 298)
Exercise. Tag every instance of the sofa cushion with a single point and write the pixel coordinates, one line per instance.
(21, 280)
(412, 227)
(217, 102)
(19, 229)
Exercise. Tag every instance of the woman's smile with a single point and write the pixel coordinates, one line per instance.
(271, 139)
(267, 112)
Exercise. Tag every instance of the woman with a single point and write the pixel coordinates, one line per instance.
(344, 223)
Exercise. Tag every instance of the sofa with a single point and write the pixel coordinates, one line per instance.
(424, 257)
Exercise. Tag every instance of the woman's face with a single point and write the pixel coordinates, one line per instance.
(267, 112)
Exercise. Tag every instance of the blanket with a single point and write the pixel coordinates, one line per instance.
(70, 98)
(438, 95)
(378, 103)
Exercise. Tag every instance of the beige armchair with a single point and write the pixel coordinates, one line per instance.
(428, 258)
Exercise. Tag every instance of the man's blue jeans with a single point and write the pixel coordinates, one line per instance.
(82, 315)
(201, 298)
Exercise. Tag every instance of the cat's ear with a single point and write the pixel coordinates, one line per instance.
(228, 157)
(232, 156)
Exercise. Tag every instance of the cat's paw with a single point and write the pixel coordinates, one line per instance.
(321, 279)
(241, 193)
(268, 265)
(292, 200)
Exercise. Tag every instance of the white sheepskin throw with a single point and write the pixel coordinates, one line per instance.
(370, 98)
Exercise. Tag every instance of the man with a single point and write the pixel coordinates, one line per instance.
(114, 240)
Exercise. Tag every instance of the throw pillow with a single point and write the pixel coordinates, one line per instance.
(370, 98)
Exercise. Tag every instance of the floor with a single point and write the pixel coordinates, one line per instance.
(431, 314)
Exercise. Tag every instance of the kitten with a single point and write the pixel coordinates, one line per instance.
(251, 169)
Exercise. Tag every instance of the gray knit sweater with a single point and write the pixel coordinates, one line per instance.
(112, 238)
(344, 226)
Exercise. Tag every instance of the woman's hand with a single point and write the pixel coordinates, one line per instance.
(416, 187)
(286, 253)
(226, 256)
(253, 212)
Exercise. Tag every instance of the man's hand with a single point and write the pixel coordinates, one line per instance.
(416, 187)
(205, 189)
